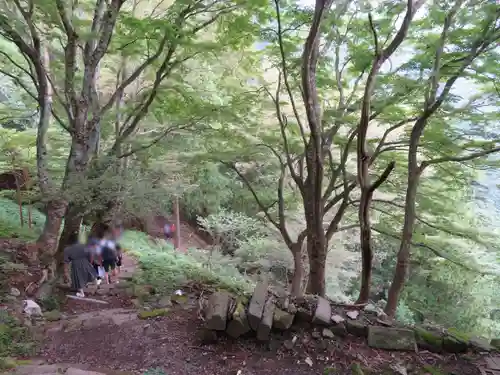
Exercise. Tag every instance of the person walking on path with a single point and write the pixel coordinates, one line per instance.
(81, 272)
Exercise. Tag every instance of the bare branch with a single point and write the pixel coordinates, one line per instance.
(283, 124)
(436, 252)
(164, 134)
(284, 68)
(383, 177)
(458, 159)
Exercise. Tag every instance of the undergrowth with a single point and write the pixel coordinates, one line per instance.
(15, 338)
(166, 269)
(10, 224)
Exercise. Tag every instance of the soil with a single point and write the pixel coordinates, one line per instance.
(173, 343)
(111, 337)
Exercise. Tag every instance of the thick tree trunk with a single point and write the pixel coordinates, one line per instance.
(298, 274)
(78, 162)
(47, 242)
(72, 224)
(317, 266)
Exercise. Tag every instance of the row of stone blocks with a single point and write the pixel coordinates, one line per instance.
(237, 316)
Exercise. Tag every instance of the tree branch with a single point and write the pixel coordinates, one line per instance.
(436, 252)
(458, 159)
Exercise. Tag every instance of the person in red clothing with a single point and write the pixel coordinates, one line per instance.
(169, 231)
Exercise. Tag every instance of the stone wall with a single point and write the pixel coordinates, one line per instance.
(263, 312)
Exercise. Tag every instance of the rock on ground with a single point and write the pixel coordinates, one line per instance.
(323, 314)
(282, 320)
(267, 321)
(391, 338)
(257, 303)
(239, 324)
(216, 311)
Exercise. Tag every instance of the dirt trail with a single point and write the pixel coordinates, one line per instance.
(96, 339)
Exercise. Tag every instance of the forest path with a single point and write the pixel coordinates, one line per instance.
(112, 339)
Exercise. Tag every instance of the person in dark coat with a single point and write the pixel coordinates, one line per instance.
(79, 256)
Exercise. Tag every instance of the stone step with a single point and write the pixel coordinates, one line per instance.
(66, 369)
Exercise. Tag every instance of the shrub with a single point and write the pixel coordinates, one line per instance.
(166, 269)
(15, 339)
(228, 229)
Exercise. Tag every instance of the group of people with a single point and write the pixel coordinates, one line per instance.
(97, 260)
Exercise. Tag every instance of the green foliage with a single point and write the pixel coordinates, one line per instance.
(167, 269)
(15, 338)
(437, 291)
(10, 225)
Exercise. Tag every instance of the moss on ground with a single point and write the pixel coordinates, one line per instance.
(148, 314)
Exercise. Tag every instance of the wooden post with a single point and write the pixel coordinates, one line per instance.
(177, 239)
(17, 177)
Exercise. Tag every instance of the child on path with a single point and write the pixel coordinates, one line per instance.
(79, 257)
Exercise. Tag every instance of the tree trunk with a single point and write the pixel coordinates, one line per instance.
(366, 246)
(403, 258)
(78, 161)
(366, 268)
(47, 242)
(298, 274)
(317, 267)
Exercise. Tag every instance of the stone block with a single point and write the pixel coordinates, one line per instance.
(282, 320)
(391, 338)
(339, 330)
(216, 311)
(266, 323)
(356, 328)
(323, 313)
(454, 344)
(428, 340)
(239, 323)
(257, 303)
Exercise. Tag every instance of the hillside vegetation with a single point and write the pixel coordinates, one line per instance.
(338, 148)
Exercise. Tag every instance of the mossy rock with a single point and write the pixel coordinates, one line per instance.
(148, 314)
(429, 340)
(179, 299)
(329, 371)
(454, 345)
(431, 370)
(7, 363)
(52, 316)
(495, 343)
(356, 369)
(459, 335)
(239, 309)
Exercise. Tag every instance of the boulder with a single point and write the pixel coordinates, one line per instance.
(480, 344)
(429, 340)
(356, 328)
(257, 303)
(495, 343)
(454, 344)
(239, 322)
(391, 338)
(216, 311)
(282, 320)
(323, 313)
(327, 333)
(339, 330)
(266, 323)
(455, 341)
(31, 308)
